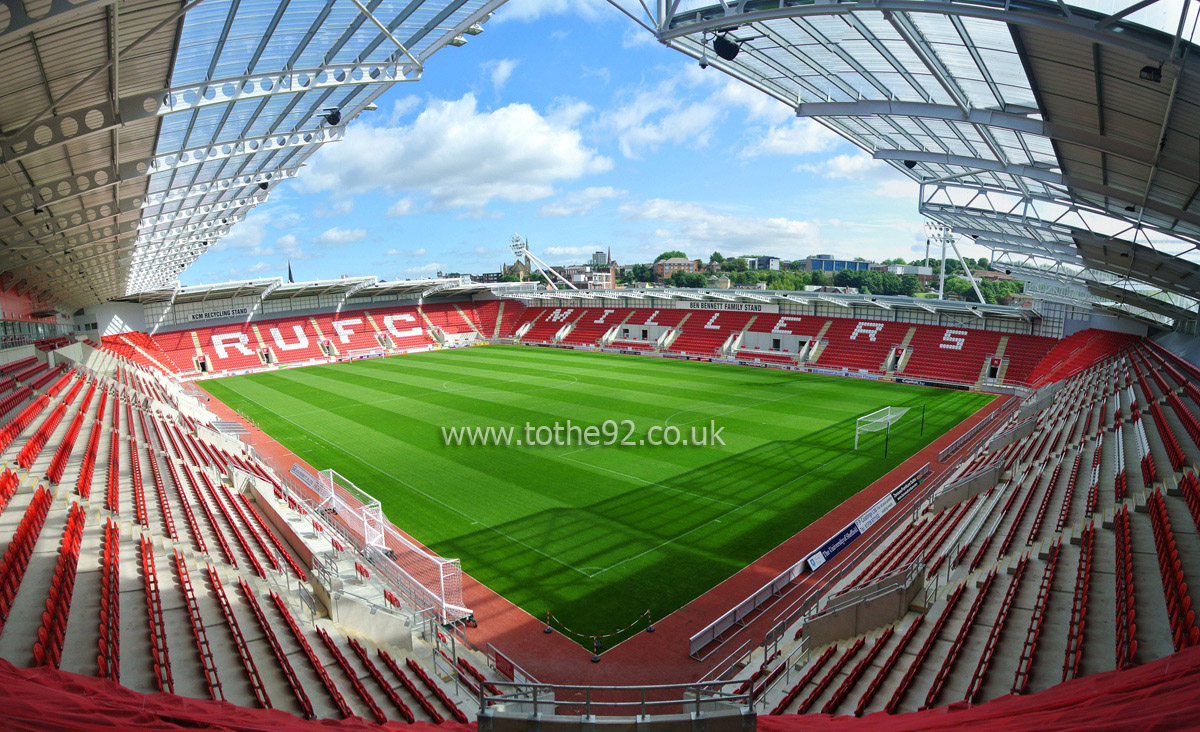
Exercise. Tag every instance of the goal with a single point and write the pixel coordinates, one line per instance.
(878, 421)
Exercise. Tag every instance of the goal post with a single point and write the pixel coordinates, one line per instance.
(881, 420)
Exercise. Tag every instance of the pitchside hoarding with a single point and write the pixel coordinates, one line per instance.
(844, 538)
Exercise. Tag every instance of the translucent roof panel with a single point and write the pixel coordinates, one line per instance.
(1039, 104)
(244, 46)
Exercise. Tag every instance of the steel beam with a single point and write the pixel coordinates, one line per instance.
(219, 185)
(57, 191)
(1003, 120)
(995, 166)
(221, 150)
(1078, 22)
(1042, 175)
(59, 12)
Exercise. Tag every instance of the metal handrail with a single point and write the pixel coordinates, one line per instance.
(536, 694)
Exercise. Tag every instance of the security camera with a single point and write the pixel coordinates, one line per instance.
(704, 64)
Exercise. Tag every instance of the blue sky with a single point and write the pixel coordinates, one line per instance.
(567, 124)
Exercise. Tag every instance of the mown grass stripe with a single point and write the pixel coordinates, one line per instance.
(595, 534)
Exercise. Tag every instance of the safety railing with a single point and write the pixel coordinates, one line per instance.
(540, 700)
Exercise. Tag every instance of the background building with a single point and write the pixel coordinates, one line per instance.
(829, 263)
(666, 267)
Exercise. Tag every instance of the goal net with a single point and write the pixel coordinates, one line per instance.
(430, 583)
(878, 421)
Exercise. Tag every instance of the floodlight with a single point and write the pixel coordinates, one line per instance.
(726, 48)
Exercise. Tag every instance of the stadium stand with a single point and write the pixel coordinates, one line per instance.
(159, 573)
(933, 353)
(1106, 479)
(192, 642)
(704, 334)
(1008, 564)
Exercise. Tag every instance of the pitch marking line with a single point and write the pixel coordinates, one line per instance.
(718, 518)
(667, 421)
(440, 502)
(657, 484)
(427, 392)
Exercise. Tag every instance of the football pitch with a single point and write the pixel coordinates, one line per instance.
(596, 534)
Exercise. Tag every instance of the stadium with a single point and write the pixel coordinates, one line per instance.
(352, 502)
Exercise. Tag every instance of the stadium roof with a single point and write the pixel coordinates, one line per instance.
(133, 135)
(1056, 135)
(275, 288)
(848, 301)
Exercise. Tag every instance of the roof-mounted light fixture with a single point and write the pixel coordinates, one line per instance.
(725, 47)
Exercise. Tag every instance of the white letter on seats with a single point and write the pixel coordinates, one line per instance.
(782, 322)
(870, 329)
(954, 340)
(236, 341)
(712, 320)
(343, 330)
(301, 339)
(602, 317)
(389, 320)
(650, 320)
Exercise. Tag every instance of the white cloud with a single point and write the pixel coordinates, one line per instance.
(797, 137)
(499, 71)
(401, 207)
(850, 166)
(289, 246)
(688, 226)
(459, 155)
(257, 268)
(898, 187)
(650, 116)
(635, 36)
(602, 73)
(424, 269)
(685, 104)
(249, 236)
(580, 203)
(568, 112)
(759, 107)
(889, 183)
(534, 9)
(402, 107)
(405, 252)
(338, 207)
(337, 236)
(570, 251)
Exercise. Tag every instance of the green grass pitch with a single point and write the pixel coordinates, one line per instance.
(597, 535)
